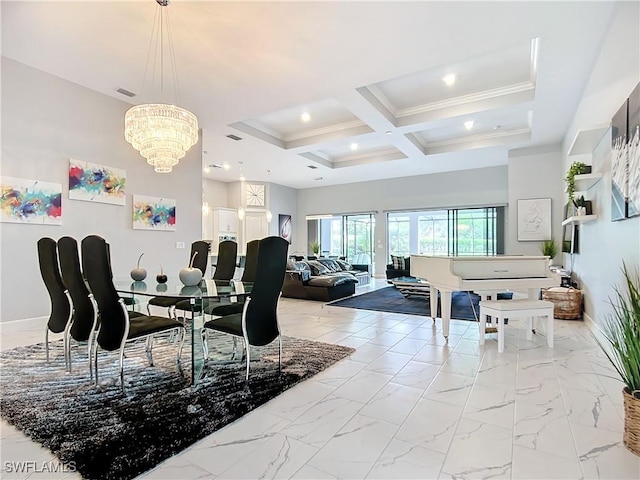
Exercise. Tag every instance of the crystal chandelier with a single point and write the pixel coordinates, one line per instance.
(162, 133)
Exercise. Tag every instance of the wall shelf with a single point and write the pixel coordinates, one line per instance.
(586, 140)
(585, 181)
(577, 219)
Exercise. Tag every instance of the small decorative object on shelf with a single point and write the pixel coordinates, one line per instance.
(583, 207)
(191, 276)
(621, 345)
(161, 277)
(577, 168)
(138, 274)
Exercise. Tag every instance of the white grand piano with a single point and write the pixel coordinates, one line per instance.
(485, 276)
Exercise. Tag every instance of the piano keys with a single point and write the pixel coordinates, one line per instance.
(483, 275)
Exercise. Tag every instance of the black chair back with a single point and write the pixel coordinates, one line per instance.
(83, 314)
(261, 317)
(251, 261)
(202, 258)
(50, 271)
(97, 269)
(226, 263)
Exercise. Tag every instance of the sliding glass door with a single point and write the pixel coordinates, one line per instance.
(450, 232)
(358, 238)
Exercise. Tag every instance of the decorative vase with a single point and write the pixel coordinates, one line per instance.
(190, 276)
(631, 436)
(138, 274)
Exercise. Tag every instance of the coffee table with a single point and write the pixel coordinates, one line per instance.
(411, 286)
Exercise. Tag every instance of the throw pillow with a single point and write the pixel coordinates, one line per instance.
(344, 265)
(397, 262)
(317, 268)
(407, 263)
(330, 264)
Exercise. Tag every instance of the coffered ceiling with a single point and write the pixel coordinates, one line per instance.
(369, 76)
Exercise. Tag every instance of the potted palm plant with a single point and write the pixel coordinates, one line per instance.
(315, 247)
(621, 345)
(549, 249)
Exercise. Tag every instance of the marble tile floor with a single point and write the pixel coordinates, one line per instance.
(407, 404)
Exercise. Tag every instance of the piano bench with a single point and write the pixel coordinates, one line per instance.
(520, 308)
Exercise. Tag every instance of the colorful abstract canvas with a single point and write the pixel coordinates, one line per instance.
(96, 183)
(30, 201)
(153, 213)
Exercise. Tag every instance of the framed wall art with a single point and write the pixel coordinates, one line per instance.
(153, 213)
(30, 201)
(284, 227)
(534, 219)
(92, 182)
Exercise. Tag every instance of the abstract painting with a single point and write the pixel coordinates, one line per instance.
(92, 182)
(534, 219)
(153, 213)
(30, 201)
(284, 227)
(619, 163)
(633, 154)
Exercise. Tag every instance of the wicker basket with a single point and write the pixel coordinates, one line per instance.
(631, 436)
(567, 302)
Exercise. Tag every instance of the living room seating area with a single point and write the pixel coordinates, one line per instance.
(323, 279)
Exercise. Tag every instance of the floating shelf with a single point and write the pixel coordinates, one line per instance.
(579, 219)
(586, 181)
(586, 140)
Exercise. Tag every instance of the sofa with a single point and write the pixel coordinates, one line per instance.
(323, 279)
(399, 267)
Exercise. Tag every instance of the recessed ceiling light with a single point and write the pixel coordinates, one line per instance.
(242, 179)
(226, 166)
(354, 146)
(468, 124)
(388, 132)
(449, 79)
(305, 117)
(206, 169)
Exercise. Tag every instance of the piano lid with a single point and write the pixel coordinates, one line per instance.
(481, 268)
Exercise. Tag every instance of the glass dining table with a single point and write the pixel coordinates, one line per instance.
(208, 291)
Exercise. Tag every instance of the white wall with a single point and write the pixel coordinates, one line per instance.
(47, 120)
(604, 244)
(486, 186)
(282, 201)
(535, 173)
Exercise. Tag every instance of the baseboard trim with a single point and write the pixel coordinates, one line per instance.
(40, 320)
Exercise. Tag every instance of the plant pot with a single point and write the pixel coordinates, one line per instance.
(631, 437)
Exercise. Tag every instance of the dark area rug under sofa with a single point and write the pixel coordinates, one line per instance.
(389, 299)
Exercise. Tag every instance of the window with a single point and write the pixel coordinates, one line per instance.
(470, 231)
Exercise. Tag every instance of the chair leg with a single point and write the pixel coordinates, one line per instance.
(279, 354)
(247, 347)
(95, 361)
(122, 367)
(182, 333)
(149, 349)
(235, 347)
(46, 341)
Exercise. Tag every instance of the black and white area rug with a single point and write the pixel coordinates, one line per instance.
(108, 434)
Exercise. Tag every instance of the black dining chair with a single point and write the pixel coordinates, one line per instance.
(258, 325)
(201, 261)
(249, 275)
(115, 327)
(59, 320)
(226, 262)
(85, 317)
